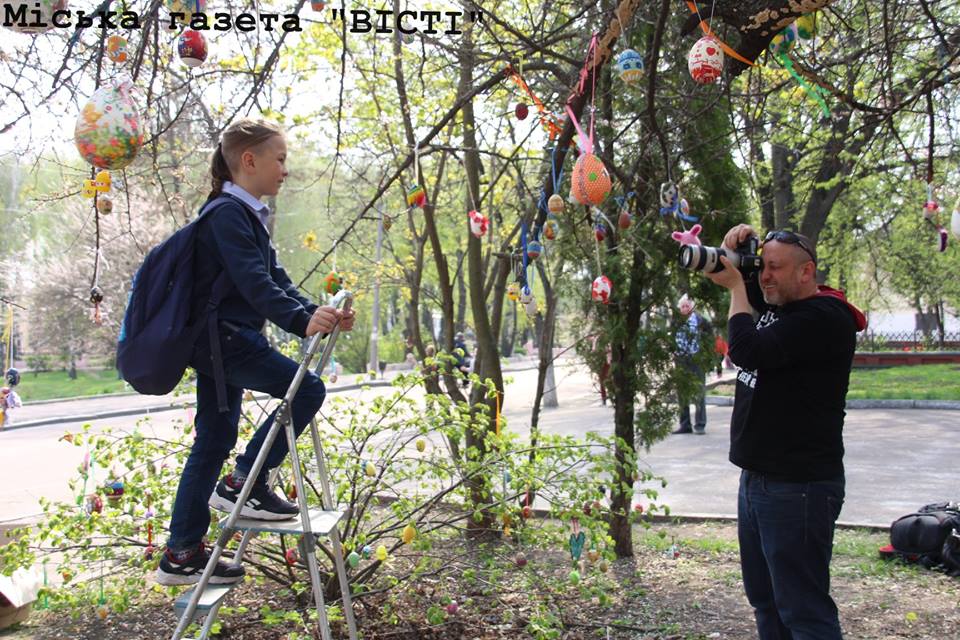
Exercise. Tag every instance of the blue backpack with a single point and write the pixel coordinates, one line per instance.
(156, 341)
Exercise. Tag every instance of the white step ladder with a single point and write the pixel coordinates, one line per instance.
(205, 599)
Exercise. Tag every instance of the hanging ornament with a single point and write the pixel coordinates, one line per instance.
(367, 551)
(102, 611)
(593, 555)
(387, 222)
(604, 566)
(316, 5)
(31, 21)
(784, 41)
(601, 289)
(521, 111)
(89, 189)
(479, 223)
(333, 283)
(409, 533)
(416, 196)
(520, 560)
(408, 38)
(684, 209)
(534, 249)
(530, 307)
(688, 237)
(187, 8)
(943, 238)
(192, 48)
(590, 182)
(930, 209)
(705, 60)
(370, 470)
(630, 66)
(551, 228)
(600, 231)
(114, 492)
(955, 223)
(291, 556)
(574, 577)
(526, 295)
(421, 445)
(102, 182)
(625, 219)
(513, 291)
(117, 49)
(807, 26)
(381, 553)
(93, 504)
(353, 559)
(108, 132)
(555, 204)
(291, 492)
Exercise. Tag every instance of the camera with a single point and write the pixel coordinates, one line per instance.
(707, 259)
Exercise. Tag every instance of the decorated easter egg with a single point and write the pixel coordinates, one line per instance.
(668, 195)
(807, 26)
(955, 223)
(421, 444)
(192, 48)
(526, 295)
(187, 8)
(96, 297)
(551, 227)
(684, 207)
(353, 559)
(599, 232)
(367, 551)
(32, 22)
(555, 204)
(291, 556)
(416, 196)
(103, 611)
(479, 223)
(117, 49)
(370, 469)
(381, 553)
(521, 111)
(93, 504)
(409, 533)
(105, 205)
(930, 209)
(630, 66)
(407, 38)
(534, 249)
(705, 60)
(574, 577)
(333, 283)
(453, 607)
(520, 559)
(108, 133)
(102, 182)
(625, 219)
(89, 189)
(316, 5)
(590, 182)
(784, 41)
(530, 307)
(513, 291)
(601, 289)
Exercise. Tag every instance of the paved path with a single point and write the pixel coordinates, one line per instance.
(897, 460)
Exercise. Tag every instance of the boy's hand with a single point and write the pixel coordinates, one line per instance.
(325, 319)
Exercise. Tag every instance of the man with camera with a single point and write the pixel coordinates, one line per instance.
(794, 358)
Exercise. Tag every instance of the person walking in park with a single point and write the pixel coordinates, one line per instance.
(248, 164)
(786, 431)
(689, 338)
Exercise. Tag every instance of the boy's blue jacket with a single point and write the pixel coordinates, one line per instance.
(231, 238)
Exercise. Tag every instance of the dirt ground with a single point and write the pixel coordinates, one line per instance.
(693, 595)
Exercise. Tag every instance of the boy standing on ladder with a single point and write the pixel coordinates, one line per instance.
(249, 163)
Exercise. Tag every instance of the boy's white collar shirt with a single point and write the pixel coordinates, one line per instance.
(261, 210)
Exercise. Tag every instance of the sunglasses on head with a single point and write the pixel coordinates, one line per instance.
(789, 237)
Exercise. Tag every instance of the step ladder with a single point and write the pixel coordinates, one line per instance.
(205, 599)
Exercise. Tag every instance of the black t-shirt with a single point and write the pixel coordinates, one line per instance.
(791, 388)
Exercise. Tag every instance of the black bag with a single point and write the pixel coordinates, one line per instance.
(925, 535)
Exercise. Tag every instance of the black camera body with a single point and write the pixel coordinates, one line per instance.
(707, 259)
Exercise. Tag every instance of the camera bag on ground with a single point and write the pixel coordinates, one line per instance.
(930, 536)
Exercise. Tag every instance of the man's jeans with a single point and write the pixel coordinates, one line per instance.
(249, 363)
(699, 398)
(786, 541)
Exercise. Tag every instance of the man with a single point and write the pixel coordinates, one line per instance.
(462, 355)
(688, 346)
(786, 431)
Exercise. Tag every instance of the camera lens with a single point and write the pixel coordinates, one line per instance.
(699, 258)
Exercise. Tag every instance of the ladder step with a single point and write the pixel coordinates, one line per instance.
(321, 523)
(212, 595)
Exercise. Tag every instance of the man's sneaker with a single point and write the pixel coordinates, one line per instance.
(261, 504)
(188, 571)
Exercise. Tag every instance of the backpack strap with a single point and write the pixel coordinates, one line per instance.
(221, 286)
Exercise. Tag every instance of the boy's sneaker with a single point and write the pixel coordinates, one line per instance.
(188, 571)
(261, 504)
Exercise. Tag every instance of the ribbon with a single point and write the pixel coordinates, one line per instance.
(585, 142)
(813, 92)
(727, 49)
(546, 118)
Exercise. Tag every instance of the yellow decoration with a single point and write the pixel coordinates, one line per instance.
(370, 469)
(89, 189)
(513, 291)
(507, 531)
(381, 553)
(421, 444)
(102, 182)
(409, 533)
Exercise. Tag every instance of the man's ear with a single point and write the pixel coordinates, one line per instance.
(809, 270)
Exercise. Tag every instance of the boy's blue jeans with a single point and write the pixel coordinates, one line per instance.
(786, 542)
(249, 363)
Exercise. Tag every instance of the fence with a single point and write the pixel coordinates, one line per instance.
(869, 341)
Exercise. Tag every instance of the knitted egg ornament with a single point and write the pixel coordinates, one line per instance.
(625, 219)
(521, 111)
(630, 66)
(601, 290)
(551, 228)
(187, 8)
(590, 182)
(479, 223)
(599, 232)
(531, 307)
(705, 60)
(807, 26)
(417, 196)
(555, 204)
(31, 22)
(513, 291)
(108, 133)
(192, 48)
(333, 283)
(526, 295)
(117, 49)
(784, 41)
(534, 249)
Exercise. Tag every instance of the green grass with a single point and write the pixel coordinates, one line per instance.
(917, 382)
(56, 384)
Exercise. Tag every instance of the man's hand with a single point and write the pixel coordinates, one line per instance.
(729, 278)
(737, 235)
(325, 319)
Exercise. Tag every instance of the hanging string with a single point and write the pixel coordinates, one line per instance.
(525, 258)
(556, 175)
(546, 117)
